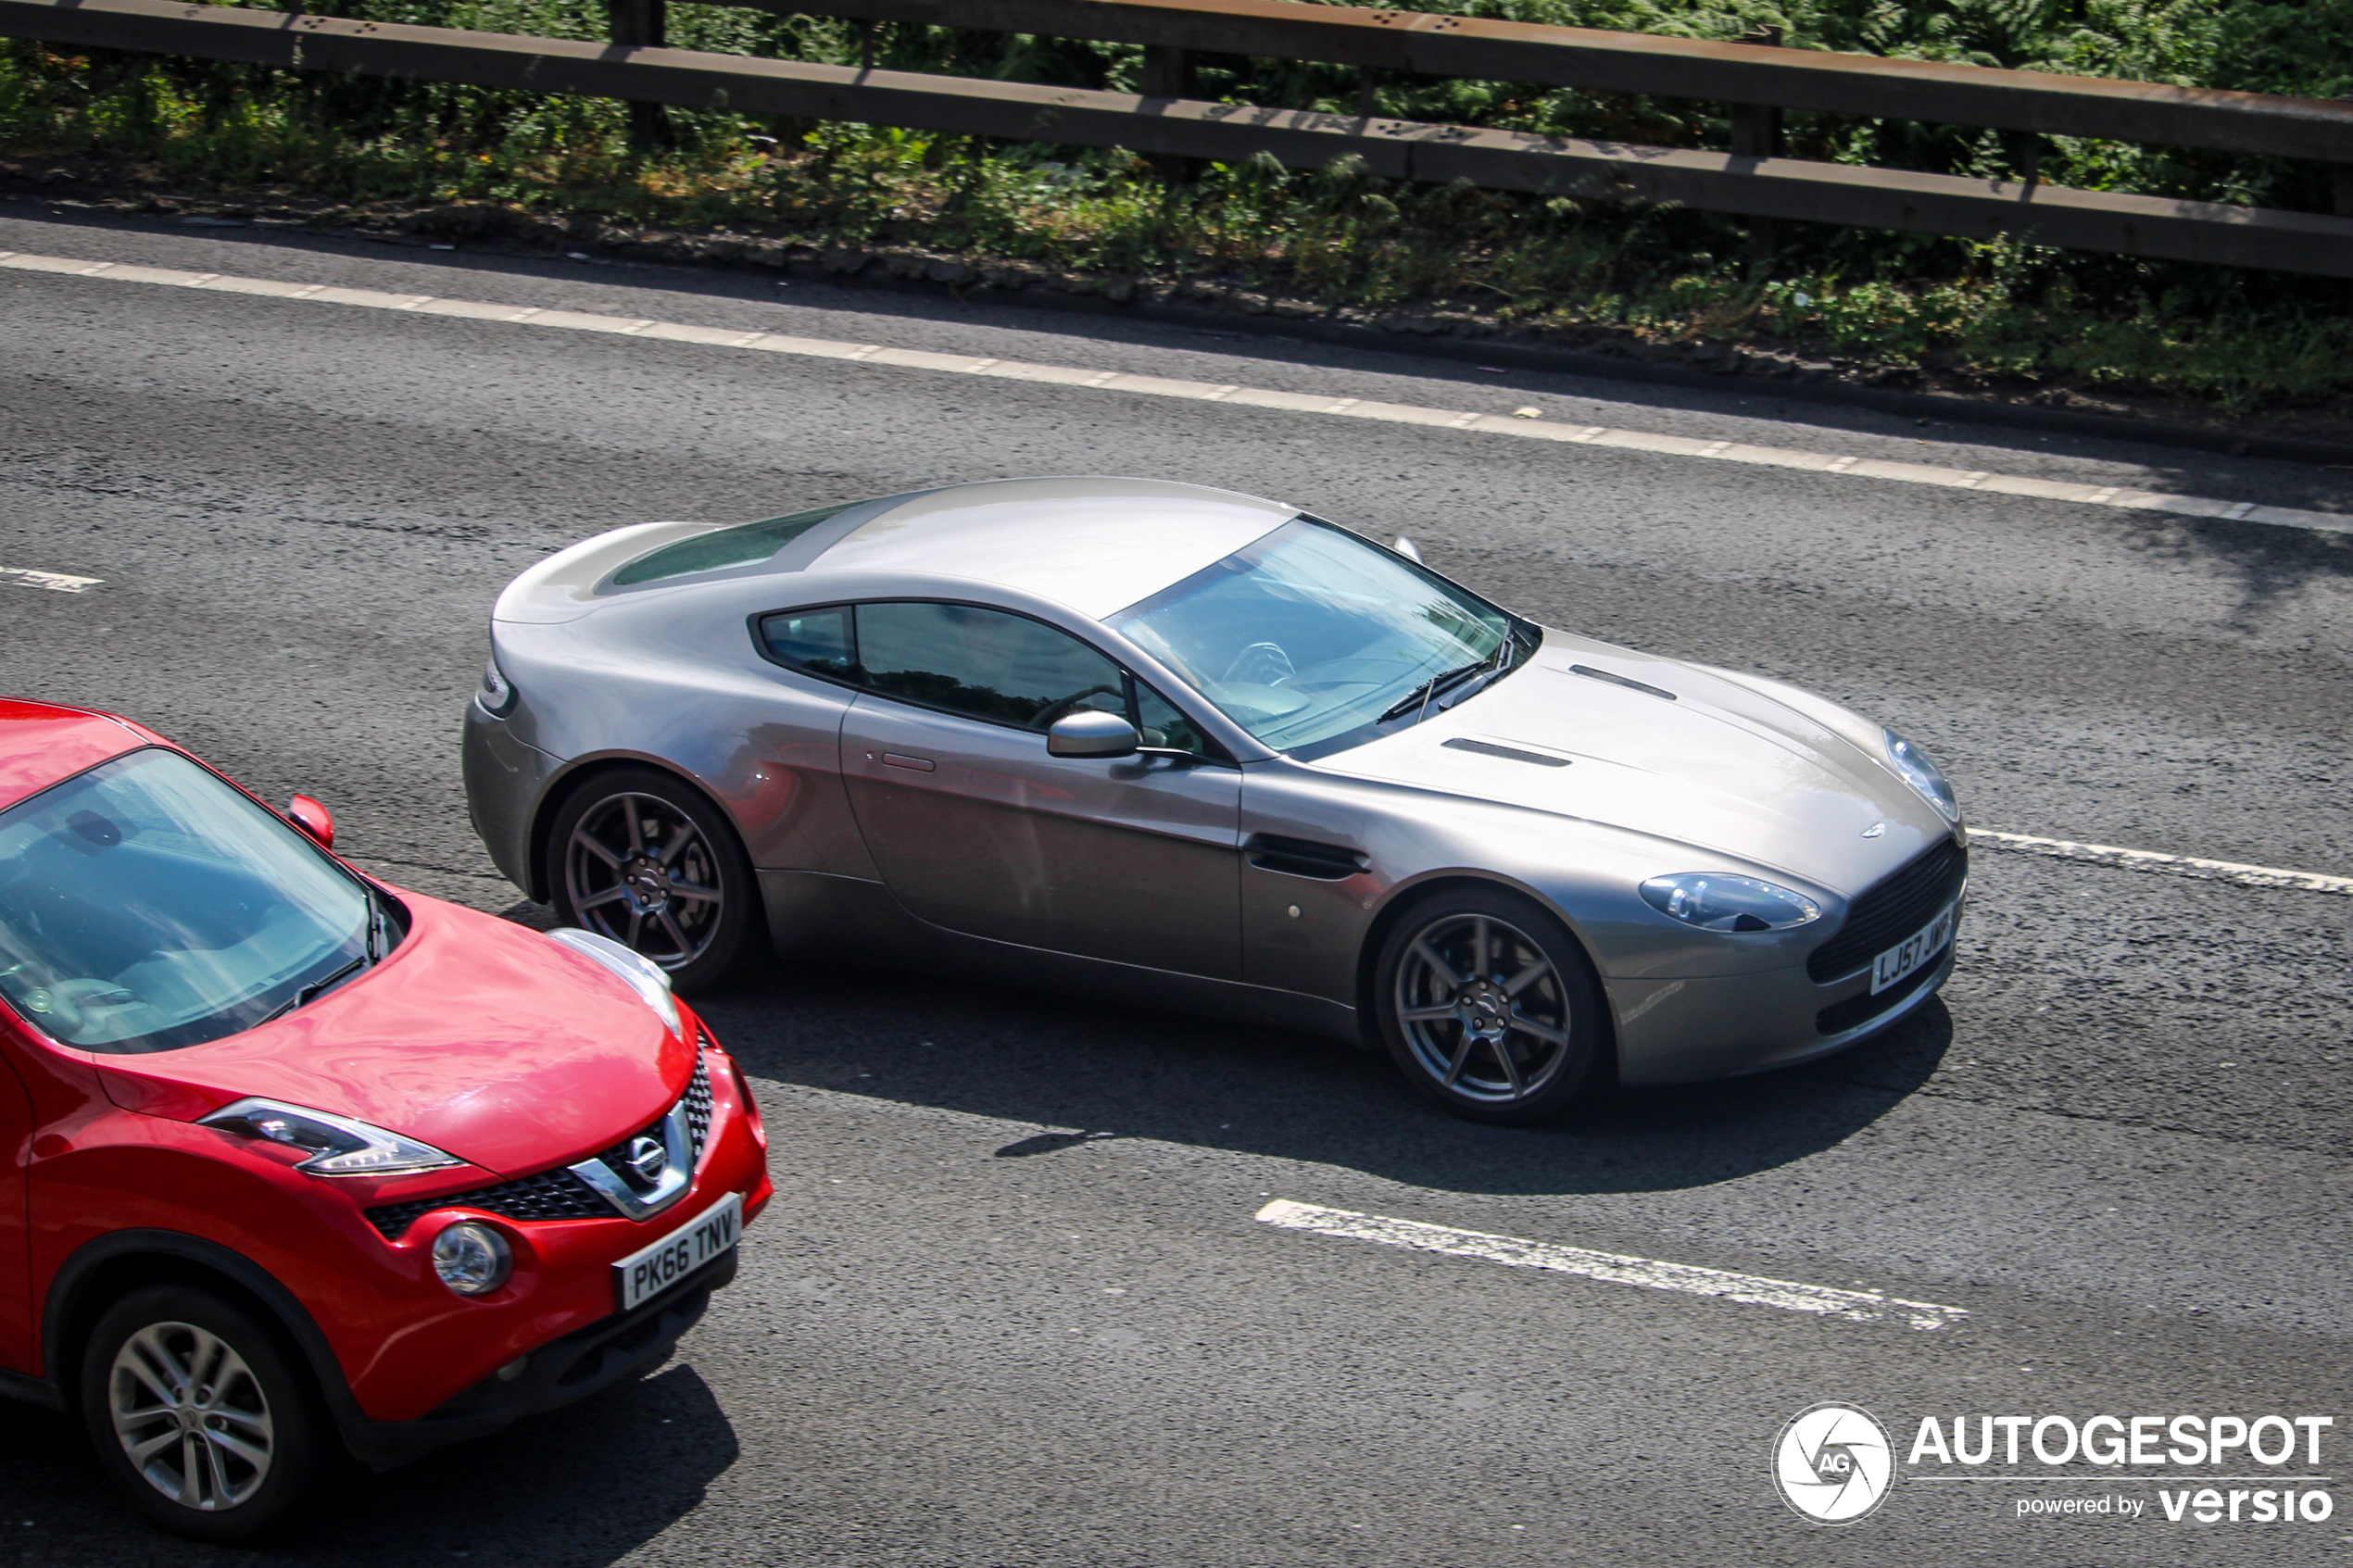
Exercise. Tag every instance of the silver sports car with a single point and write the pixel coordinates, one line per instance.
(1190, 749)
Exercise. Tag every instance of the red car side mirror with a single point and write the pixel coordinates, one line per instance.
(312, 819)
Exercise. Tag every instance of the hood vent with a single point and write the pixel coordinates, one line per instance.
(1632, 686)
(1509, 753)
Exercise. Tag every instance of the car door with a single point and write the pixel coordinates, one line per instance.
(973, 827)
(16, 1146)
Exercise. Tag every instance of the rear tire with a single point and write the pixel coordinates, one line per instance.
(639, 855)
(203, 1416)
(1488, 1006)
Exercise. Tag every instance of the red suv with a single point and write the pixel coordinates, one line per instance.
(291, 1163)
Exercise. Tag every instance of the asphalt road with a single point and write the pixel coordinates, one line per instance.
(1011, 1306)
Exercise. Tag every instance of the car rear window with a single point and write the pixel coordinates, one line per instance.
(740, 546)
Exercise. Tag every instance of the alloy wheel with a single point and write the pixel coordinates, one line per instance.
(191, 1416)
(636, 869)
(1483, 1009)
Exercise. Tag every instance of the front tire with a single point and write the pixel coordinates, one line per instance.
(1488, 1006)
(203, 1417)
(640, 857)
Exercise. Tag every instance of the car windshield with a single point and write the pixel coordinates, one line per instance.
(1310, 637)
(145, 905)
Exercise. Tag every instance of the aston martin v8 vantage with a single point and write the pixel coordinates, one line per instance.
(1190, 749)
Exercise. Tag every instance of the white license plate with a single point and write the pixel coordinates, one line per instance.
(650, 1271)
(1904, 957)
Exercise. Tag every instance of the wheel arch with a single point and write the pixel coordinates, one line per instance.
(1404, 898)
(104, 1271)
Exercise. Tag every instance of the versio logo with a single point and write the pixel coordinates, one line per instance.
(1832, 1463)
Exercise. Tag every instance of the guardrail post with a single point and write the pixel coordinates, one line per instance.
(1756, 132)
(643, 24)
(1168, 73)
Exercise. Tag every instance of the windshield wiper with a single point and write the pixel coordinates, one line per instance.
(1421, 695)
(317, 988)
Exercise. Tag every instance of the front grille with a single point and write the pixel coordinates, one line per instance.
(1892, 910)
(550, 1194)
(557, 1193)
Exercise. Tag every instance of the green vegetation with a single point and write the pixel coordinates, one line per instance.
(1336, 237)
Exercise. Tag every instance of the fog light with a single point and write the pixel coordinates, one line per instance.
(514, 1369)
(472, 1260)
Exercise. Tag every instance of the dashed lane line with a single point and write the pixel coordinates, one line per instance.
(57, 582)
(1512, 424)
(1614, 1267)
(2163, 864)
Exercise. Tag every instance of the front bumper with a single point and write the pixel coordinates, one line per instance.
(556, 1375)
(1724, 1026)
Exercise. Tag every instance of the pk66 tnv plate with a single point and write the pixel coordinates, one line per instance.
(650, 1271)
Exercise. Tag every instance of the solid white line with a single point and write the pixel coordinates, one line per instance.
(2170, 865)
(25, 577)
(1154, 386)
(1862, 1306)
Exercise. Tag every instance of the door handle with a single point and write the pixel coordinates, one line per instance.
(920, 764)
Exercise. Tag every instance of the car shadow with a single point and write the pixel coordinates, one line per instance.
(1082, 1071)
(584, 1486)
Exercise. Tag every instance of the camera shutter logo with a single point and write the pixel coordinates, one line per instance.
(1833, 1465)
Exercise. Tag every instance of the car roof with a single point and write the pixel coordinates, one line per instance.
(42, 744)
(1096, 545)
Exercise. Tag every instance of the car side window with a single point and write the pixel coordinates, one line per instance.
(1163, 727)
(817, 641)
(983, 663)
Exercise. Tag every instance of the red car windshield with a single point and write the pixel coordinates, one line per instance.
(145, 905)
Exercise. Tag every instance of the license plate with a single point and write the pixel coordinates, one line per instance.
(650, 1271)
(1905, 956)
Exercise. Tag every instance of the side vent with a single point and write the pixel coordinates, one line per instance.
(1304, 857)
(1509, 753)
(1592, 674)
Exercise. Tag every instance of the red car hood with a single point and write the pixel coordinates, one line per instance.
(476, 1036)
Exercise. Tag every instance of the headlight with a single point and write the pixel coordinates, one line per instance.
(471, 1259)
(1714, 902)
(1922, 774)
(337, 1145)
(646, 977)
(498, 693)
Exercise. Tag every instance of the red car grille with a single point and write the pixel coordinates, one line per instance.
(557, 1193)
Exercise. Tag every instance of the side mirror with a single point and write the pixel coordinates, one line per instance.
(1092, 733)
(312, 819)
(1405, 547)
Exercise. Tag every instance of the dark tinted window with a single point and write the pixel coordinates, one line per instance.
(985, 663)
(814, 640)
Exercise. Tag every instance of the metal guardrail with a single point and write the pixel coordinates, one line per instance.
(1867, 86)
(1747, 185)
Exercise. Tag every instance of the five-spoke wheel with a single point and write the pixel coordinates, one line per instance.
(636, 856)
(1489, 1005)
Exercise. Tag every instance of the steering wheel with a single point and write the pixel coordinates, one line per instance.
(1261, 664)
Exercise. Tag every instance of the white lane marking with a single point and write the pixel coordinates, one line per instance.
(1862, 1306)
(2168, 865)
(1155, 386)
(25, 577)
